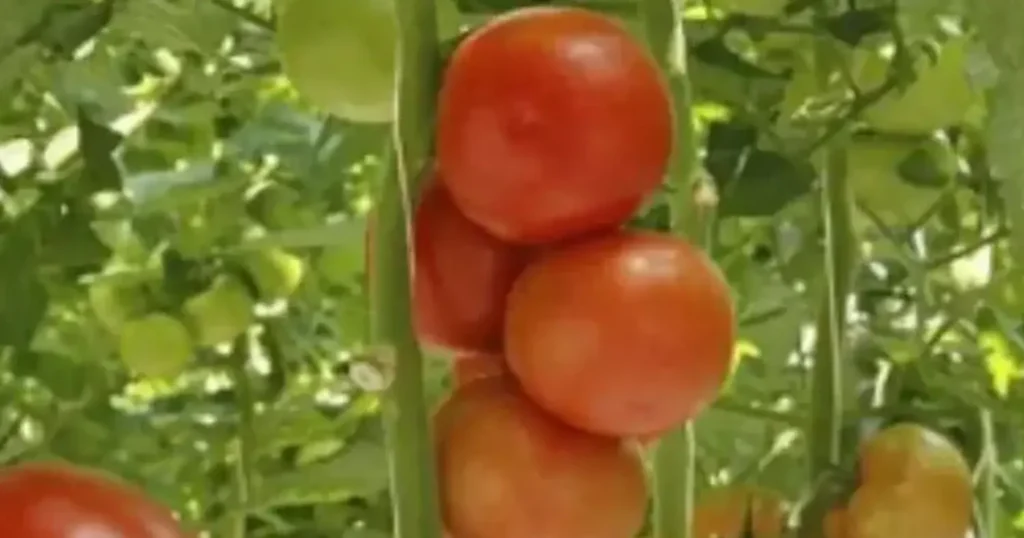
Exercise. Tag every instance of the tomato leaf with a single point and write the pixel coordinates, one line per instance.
(97, 143)
(24, 299)
(854, 26)
(359, 471)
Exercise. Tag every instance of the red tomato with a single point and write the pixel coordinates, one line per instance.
(461, 278)
(469, 368)
(60, 501)
(552, 122)
(630, 333)
(509, 470)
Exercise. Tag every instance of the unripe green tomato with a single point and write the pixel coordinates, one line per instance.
(156, 345)
(277, 273)
(221, 313)
(341, 54)
(114, 302)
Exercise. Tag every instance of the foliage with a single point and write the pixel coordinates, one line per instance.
(152, 150)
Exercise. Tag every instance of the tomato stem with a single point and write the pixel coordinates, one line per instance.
(826, 403)
(675, 453)
(246, 437)
(410, 455)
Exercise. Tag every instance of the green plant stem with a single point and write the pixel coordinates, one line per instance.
(675, 454)
(824, 432)
(410, 455)
(245, 441)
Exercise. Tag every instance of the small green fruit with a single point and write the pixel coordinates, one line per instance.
(114, 302)
(276, 272)
(221, 313)
(156, 346)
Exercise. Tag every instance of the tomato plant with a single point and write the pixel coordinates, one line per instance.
(920, 108)
(552, 122)
(461, 276)
(723, 512)
(509, 470)
(60, 501)
(629, 333)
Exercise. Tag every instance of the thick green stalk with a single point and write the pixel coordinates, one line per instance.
(406, 417)
(826, 404)
(675, 453)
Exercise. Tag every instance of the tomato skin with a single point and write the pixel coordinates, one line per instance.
(722, 513)
(908, 452)
(630, 333)
(552, 122)
(472, 367)
(60, 501)
(461, 277)
(911, 509)
(509, 470)
(914, 482)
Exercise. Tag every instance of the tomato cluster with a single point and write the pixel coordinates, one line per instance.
(570, 332)
(913, 482)
(60, 501)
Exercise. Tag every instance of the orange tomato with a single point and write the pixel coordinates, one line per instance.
(910, 453)
(722, 513)
(506, 469)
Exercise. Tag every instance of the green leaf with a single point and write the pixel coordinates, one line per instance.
(97, 143)
(359, 471)
(24, 299)
(190, 25)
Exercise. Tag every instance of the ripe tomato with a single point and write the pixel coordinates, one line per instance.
(60, 501)
(552, 122)
(509, 470)
(629, 333)
(722, 513)
(910, 453)
(461, 277)
(469, 368)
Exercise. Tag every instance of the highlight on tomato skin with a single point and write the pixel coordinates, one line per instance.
(506, 469)
(552, 122)
(627, 333)
(55, 500)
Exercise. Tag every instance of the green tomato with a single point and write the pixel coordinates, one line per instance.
(339, 265)
(899, 178)
(279, 207)
(221, 313)
(156, 345)
(941, 96)
(114, 303)
(277, 273)
(341, 54)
